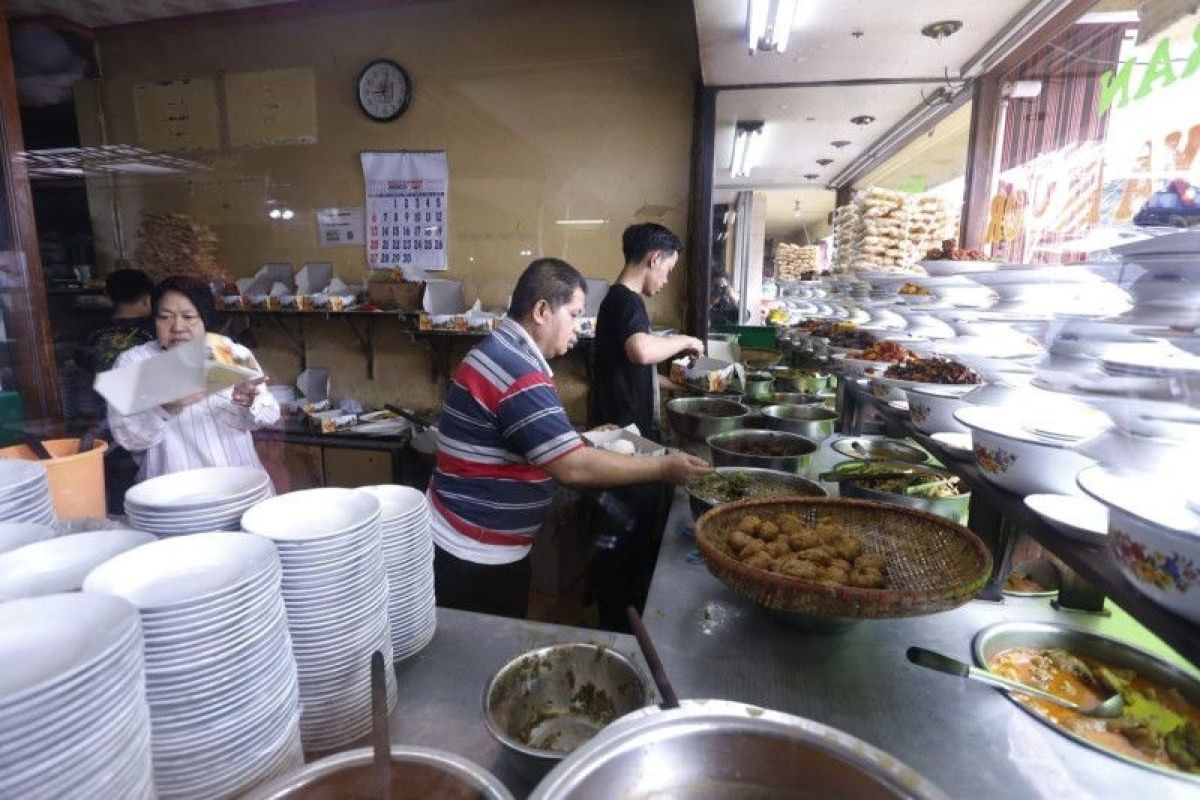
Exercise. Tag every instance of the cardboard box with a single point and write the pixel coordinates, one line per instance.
(402, 296)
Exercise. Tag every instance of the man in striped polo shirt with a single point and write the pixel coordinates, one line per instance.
(504, 438)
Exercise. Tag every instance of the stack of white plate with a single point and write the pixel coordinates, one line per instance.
(336, 592)
(73, 716)
(408, 554)
(60, 565)
(196, 500)
(220, 676)
(25, 492)
(19, 534)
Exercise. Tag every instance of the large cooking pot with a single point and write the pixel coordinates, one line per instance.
(721, 749)
(417, 772)
(727, 450)
(811, 422)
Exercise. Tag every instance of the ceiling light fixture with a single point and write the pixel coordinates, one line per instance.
(288, 213)
(1017, 90)
(840, 143)
(747, 147)
(769, 24)
(824, 162)
(811, 176)
(275, 213)
(862, 119)
(942, 29)
(580, 221)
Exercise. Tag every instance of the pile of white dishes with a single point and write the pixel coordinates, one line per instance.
(19, 534)
(60, 565)
(25, 492)
(196, 500)
(73, 715)
(220, 676)
(336, 592)
(1168, 291)
(408, 554)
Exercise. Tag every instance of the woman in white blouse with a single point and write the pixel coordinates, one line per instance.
(201, 430)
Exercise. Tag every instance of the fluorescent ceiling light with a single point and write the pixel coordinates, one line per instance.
(1108, 17)
(769, 24)
(580, 221)
(747, 147)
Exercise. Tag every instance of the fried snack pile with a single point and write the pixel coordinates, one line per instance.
(781, 543)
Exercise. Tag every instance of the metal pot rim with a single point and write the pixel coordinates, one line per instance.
(628, 731)
(751, 433)
(450, 762)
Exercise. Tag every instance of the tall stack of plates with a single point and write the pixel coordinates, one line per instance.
(196, 500)
(24, 492)
(220, 676)
(60, 565)
(73, 716)
(408, 554)
(336, 592)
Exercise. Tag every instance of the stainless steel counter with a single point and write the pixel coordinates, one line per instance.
(441, 688)
(968, 739)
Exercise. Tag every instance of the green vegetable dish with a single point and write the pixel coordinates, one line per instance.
(717, 487)
(894, 478)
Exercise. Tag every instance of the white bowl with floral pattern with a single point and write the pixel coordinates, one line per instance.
(1153, 536)
(932, 409)
(1014, 458)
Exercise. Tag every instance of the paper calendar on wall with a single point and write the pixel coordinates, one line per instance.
(406, 211)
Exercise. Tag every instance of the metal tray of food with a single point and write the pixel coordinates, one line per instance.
(1117, 656)
(869, 448)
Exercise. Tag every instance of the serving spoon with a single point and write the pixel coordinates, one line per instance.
(1112, 707)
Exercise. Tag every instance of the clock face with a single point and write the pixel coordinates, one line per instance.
(383, 90)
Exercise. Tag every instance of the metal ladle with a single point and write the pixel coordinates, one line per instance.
(1112, 707)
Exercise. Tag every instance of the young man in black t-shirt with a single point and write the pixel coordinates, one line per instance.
(626, 351)
(625, 357)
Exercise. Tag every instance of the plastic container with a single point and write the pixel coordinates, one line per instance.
(76, 479)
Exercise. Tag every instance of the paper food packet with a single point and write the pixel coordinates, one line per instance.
(209, 365)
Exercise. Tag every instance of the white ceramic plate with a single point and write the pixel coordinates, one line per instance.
(1078, 517)
(196, 488)
(18, 534)
(184, 569)
(312, 514)
(60, 565)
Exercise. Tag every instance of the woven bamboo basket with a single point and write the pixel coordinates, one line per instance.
(932, 564)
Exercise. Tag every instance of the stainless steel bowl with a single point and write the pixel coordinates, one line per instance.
(545, 703)
(416, 772)
(952, 508)
(688, 420)
(811, 422)
(795, 484)
(721, 749)
(1046, 635)
(867, 448)
(759, 388)
(722, 456)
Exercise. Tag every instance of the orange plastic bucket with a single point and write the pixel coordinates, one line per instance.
(76, 479)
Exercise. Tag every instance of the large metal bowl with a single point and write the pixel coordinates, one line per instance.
(416, 772)
(995, 639)
(722, 456)
(802, 487)
(811, 422)
(797, 399)
(952, 508)
(688, 420)
(545, 703)
(722, 749)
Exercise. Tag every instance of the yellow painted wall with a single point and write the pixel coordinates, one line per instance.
(547, 110)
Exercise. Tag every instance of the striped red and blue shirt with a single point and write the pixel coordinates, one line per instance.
(502, 422)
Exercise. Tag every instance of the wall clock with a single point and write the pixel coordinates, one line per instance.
(384, 90)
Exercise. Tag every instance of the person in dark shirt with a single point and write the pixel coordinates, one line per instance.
(625, 351)
(625, 357)
(129, 326)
